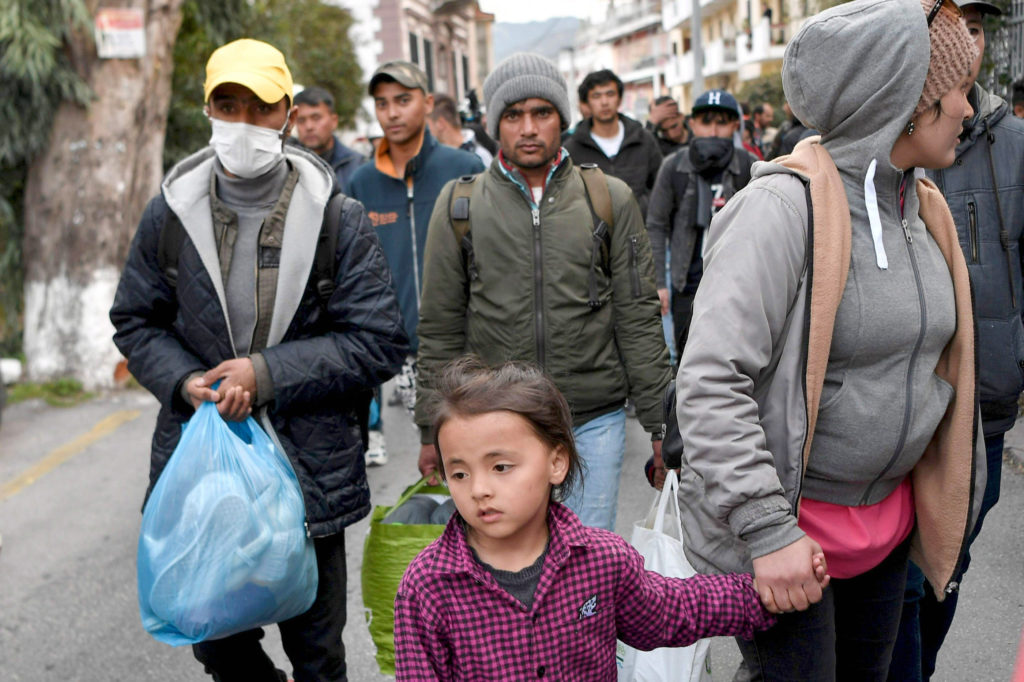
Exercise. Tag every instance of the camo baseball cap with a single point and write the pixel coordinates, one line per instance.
(405, 74)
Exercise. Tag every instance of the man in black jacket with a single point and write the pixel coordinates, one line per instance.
(239, 301)
(984, 189)
(692, 186)
(617, 144)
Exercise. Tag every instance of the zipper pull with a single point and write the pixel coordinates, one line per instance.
(536, 216)
(906, 232)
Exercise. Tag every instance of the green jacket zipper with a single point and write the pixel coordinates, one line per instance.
(538, 286)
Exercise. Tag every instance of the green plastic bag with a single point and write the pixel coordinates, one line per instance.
(388, 550)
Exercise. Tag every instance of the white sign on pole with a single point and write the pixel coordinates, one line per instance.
(120, 33)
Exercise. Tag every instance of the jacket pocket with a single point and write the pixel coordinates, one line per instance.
(634, 266)
(832, 391)
(972, 229)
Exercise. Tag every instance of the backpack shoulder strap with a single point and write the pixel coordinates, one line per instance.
(600, 198)
(172, 236)
(458, 206)
(326, 246)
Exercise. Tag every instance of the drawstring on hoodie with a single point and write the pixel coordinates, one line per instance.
(1004, 236)
(871, 202)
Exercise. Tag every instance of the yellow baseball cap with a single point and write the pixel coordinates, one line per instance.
(257, 65)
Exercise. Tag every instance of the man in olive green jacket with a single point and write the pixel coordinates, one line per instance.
(537, 286)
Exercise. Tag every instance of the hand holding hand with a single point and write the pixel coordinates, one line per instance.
(788, 578)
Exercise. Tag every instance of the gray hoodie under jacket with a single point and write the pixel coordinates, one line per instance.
(854, 72)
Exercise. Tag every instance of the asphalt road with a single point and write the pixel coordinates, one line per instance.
(71, 487)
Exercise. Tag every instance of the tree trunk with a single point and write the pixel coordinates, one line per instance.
(84, 196)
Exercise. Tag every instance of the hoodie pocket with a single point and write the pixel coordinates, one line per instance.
(832, 391)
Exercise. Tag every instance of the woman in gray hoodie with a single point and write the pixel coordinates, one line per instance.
(826, 392)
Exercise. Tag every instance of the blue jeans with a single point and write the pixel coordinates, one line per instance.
(925, 620)
(601, 443)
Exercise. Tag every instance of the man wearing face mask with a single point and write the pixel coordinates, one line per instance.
(693, 184)
(225, 282)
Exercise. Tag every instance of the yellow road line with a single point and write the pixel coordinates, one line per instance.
(65, 452)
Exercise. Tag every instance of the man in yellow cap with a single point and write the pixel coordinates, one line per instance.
(251, 269)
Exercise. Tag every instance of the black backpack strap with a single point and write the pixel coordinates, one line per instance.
(326, 246)
(599, 201)
(172, 237)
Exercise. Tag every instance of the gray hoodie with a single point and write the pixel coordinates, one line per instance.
(882, 400)
(855, 73)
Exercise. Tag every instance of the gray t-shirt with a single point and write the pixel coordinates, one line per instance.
(520, 584)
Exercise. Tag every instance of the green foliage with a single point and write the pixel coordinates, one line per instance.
(766, 89)
(36, 76)
(58, 393)
(314, 39)
(312, 35)
(204, 26)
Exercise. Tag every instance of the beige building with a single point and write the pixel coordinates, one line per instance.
(449, 39)
(741, 40)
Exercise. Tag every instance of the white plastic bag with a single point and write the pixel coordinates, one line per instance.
(659, 539)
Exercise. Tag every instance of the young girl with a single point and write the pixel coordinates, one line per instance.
(516, 588)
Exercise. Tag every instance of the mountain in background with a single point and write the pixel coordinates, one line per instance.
(542, 37)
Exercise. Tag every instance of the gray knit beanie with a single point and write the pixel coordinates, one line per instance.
(519, 77)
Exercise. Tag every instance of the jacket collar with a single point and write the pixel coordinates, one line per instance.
(988, 110)
(632, 132)
(383, 163)
(186, 190)
(454, 556)
(511, 173)
(342, 155)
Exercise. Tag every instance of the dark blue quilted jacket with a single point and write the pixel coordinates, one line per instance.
(326, 356)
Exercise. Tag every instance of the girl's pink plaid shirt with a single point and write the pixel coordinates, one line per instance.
(453, 621)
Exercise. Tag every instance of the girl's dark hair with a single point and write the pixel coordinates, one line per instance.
(466, 388)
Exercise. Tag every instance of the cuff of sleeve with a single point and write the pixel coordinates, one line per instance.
(771, 538)
(183, 390)
(426, 435)
(264, 384)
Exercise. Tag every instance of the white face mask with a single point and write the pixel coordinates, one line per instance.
(246, 150)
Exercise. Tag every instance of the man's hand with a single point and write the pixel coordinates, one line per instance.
(665, 110)
(663, 297)
(235, 393)
(429, 463)
(659, 465)
(786, 578)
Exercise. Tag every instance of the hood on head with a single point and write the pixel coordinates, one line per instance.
(855, 73)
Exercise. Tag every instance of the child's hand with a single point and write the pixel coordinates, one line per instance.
(820, 567)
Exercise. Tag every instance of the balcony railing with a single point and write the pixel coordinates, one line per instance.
(630, 19)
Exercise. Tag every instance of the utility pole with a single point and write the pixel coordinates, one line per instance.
(698, 52)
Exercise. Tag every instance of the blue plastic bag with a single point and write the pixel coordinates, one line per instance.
(223, 545)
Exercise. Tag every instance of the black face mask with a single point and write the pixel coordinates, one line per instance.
(710, 154)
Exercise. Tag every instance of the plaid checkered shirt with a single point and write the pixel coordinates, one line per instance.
(453, 621)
